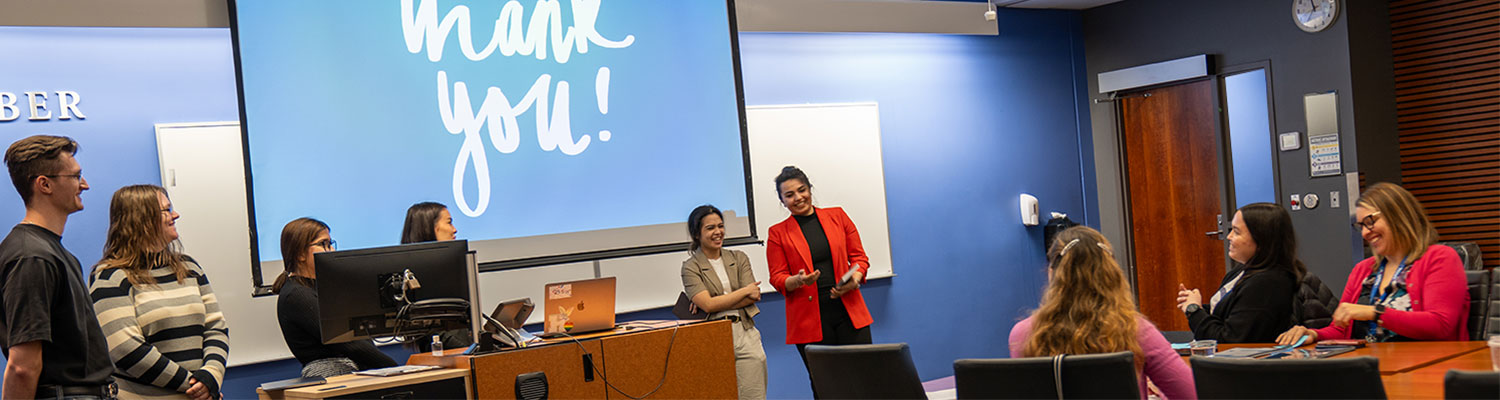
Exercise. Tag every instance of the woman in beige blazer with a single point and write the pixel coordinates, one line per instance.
(719, 282)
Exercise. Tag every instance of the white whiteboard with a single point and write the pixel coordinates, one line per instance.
(838, 146)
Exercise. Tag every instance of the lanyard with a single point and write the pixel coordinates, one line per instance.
(1371, 325)
(1224, 290)
(1399, 267)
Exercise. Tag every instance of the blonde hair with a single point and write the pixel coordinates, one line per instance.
(1410, 230)
(135, 242)
(1087, 307)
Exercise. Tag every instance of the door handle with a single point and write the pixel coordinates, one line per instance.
(1212, 233)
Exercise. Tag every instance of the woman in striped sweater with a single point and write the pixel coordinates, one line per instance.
(167, 337)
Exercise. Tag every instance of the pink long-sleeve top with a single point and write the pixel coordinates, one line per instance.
(1163, 366)
(1439, 298)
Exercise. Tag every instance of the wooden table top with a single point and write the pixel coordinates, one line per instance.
(1414, 370)
(1398, 357)
(1427, 382)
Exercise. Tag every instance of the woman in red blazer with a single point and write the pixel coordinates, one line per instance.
(1412, 289)
(808, 254)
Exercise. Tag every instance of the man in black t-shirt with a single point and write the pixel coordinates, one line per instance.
(52, 342)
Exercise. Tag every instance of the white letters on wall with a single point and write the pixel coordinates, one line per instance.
(36, 106)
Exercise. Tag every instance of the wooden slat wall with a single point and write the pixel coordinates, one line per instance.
(1447, 63)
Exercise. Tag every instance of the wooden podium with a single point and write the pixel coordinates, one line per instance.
(633, 361)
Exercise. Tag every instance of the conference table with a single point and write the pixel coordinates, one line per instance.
(1410, 370)
(1414, 370)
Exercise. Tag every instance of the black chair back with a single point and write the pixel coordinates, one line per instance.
(1333, 378)
(1468, 253)
(1313, 307)
(1471, 385)
(1087, 376)
(1481, 297)
(1491, 308)
(864, 371)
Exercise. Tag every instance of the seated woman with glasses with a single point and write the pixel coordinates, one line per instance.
(1254, 302)
(1088, 308)
(297, 307)
(1412, 289)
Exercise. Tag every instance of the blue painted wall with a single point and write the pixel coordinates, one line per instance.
(968, 124)
(129, 79)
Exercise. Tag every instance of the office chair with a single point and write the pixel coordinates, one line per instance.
(1086, 376)
(1243, 378)
(1471, 385)
(1481, 298)
(864, 371)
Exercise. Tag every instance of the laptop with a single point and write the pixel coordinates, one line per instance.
(579, 306)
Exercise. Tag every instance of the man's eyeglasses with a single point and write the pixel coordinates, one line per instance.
(1368, 222)
(326, 243)
(74, 176)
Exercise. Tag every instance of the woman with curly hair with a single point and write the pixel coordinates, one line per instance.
(1088, 309)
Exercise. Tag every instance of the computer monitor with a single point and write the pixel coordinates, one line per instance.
(361, 292)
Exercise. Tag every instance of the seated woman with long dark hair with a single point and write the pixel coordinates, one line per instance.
(431, 222)
(1088, 309)
(1254, 302)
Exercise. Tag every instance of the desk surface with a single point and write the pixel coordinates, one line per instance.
(1414, 370)
(1398, 357)
(350, 384)
(1427, 382)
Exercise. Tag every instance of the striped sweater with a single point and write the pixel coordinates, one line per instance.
(161, 336)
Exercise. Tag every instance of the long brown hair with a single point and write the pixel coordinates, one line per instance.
(135, 242)
(1087, 307)
(1407, 220)
(296, 237)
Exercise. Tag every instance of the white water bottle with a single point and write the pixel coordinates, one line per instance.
(437, 346)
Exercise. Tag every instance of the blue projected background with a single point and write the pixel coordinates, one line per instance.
(524, 118)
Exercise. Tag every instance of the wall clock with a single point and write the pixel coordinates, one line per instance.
(1314, 15)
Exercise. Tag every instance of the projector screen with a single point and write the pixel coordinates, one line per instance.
(550, 129)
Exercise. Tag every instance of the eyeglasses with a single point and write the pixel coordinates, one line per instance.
(326, 243)
(1368, 222)
(74, 176)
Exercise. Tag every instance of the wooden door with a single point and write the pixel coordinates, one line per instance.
(1172, 171)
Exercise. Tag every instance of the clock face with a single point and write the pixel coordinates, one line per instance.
(1314, 15)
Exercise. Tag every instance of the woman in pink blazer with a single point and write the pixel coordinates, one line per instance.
(809, 255)
(1412, 289)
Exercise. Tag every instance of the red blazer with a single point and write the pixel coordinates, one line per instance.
(1439, 298)
(787, 254)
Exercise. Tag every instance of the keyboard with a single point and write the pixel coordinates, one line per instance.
(396, 370)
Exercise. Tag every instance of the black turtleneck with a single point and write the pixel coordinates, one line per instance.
(817, 245)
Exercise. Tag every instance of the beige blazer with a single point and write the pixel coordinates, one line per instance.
(698, 275)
